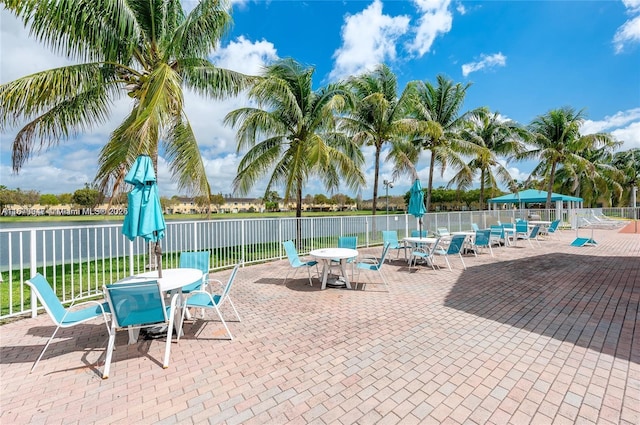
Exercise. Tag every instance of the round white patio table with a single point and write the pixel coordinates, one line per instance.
(327, 254)
(171, 280)
(470, 237)
(544, 224)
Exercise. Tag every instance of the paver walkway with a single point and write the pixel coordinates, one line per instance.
(535, 335)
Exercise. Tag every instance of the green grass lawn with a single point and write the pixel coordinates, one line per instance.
(178, 217)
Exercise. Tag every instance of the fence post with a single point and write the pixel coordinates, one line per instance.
(131, 273)
(34, 269)
(243, 229)
(195, 236)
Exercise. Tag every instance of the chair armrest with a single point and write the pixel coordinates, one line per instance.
(368, 259)
(85, 303)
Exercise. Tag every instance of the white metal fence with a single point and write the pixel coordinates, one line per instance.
(78, 260)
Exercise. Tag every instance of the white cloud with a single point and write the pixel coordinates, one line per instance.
(630, 135)
(27, 54)
(629, 32)
(245, 56)
(623, 125)
(436, 19)
(486, 61)
(461, 9)
(368, 38)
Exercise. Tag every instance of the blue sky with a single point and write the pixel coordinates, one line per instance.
(523, 58)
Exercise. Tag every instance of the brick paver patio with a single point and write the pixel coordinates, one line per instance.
(535, 335)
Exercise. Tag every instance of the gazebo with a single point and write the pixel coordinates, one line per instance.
(533, 196)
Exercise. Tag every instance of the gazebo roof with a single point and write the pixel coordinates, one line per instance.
(532, 196)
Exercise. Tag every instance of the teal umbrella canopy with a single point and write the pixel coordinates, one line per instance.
(144, 214)
(416, 203)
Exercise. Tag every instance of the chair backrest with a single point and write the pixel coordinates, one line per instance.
(419, 234)
(522, 227)
(553, 226)
(43, 290)
(230, 281)
(292, 253)
(482, 237)
(434, 247)
(348, 242)
(455, 246)
(195, 260)
(496, 230)
(443, 231)
(390, 236)
(507, 225)
(385, 249)
(475, 227)
(534, 232)
(136, 304)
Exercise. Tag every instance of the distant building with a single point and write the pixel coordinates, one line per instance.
(178, 205)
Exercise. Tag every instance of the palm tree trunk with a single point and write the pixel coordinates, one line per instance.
(298, 214)
(430, 184)
(482, 189)
(375, 179)
(552, 176)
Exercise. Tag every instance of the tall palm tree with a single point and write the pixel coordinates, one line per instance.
(495, 138)
(557, 143)
(292, 134)
(377, 114)
(146, 49)
(435, 111)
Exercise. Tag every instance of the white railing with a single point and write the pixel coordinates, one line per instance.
(78, 260)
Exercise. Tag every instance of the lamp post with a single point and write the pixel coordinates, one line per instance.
(387, 184)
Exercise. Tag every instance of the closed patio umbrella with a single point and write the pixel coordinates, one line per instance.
(416, 203)
(144, 214)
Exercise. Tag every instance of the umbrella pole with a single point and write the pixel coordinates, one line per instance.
(158, 252)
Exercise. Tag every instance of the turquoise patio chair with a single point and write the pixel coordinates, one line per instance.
(373, 265)
(62, 317)
(533, 235)
(553, 227)
(135, 306)
(482, 240)
(205, 299)
(195, 260)
(443, 231)
(522, 229)
(509, 229)
(390, 237)
(296, 262)
(418, 234)
(496, 235)
(454, 248)
(350, 242)
(474, 227)
(424, 252)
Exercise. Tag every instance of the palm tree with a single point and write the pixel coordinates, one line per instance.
(292, 134)
(557, 143)
(628, 162)
(377, 115)
(595, 180)
(146, 49)
(495, 138)
(435, 111)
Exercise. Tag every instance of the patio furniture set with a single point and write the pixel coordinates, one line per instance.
(422, 248)
(144, 301)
